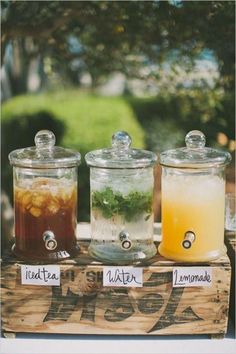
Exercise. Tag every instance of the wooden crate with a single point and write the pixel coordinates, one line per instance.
(230, 241)
(82, 305)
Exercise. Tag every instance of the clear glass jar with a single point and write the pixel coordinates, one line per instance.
(121, 181)
(193, 201)
(45, 200)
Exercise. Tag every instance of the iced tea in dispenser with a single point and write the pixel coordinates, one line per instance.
(45, 200)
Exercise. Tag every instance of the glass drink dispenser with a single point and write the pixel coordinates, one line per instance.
(45, 200)
(121, 181)
(193, 201)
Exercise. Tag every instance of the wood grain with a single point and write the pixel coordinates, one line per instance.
(230, 241)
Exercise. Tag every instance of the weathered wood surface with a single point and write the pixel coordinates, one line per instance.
(230, 241)
(82, 305)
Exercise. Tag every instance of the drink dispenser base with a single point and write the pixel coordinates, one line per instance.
(113, 254)
(121, 181)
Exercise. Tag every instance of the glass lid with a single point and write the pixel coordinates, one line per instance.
(44, 154)
(195, 154)
(121, 155)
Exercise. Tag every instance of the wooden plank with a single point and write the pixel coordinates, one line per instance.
(82, 305)
(230, 241)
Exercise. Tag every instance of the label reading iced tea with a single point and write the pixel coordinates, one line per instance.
(48, 275)
(192, 276)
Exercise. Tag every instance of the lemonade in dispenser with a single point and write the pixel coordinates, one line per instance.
(45, 200)
(193, 201)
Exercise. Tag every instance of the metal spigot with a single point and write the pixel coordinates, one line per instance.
(189, 238)
(50, 240)
(125, 241)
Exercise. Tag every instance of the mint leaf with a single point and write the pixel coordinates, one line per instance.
(130, 206)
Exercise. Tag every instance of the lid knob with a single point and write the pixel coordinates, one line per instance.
(195, 139)
(44, 139)
(121, 140)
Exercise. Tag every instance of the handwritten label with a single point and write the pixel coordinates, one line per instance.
(123, 276)
(48, 275)
(192, 276)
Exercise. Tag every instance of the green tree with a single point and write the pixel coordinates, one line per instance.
(110, 35)
(100, 37)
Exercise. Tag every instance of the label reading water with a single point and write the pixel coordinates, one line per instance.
(48, 275)
(123, 276)
(192, 276)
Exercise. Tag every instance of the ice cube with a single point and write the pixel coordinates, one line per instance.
(35, 211)
(38, 200)
(63, 195)
(19, 194)
(53, 206)
(26, 199)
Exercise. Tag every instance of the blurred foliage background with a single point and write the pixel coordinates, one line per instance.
(85, 69)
